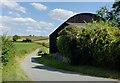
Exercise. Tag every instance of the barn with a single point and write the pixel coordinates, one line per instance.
(76, 20)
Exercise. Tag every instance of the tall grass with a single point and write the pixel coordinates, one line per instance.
(24, 48)
(12, 71)
(8, 50)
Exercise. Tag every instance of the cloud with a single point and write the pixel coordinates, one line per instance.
(39, 6)
(14, 13)
(33, 30)
(29, 27)
(20, 25)
(10, 12)
(61, 14)
(13, 5)
(28, 22)
(4, 28)
(22, 20)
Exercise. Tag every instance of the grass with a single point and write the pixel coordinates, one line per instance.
(0, 40)
(0, 64)
(0, 60)
(12, 71)
(87, 70)
(24, 48)
(44, 49)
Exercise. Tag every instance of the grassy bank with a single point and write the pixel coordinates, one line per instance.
(12, 71)
(87, 70)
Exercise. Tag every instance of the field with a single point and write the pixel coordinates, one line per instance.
(33, 38)
(12, 71)
(42, 41)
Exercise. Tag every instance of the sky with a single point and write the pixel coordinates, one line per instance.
(41, 18)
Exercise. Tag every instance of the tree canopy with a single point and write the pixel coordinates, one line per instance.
(112, 15)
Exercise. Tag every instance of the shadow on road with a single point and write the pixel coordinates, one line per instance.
(42, 67)
(52, 69)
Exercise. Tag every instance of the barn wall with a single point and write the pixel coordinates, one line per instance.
(53, 44)
(79, 18)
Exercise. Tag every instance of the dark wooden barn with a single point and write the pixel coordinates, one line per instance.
(76, 20)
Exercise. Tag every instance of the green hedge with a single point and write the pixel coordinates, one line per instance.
(8, 49)
(67, 42)
(95, 44)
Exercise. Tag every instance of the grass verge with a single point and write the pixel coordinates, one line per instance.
(87, 70)
(12, 71)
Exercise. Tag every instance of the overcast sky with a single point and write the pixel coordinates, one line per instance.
(41, 18)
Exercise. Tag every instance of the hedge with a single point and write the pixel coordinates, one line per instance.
(96, 44)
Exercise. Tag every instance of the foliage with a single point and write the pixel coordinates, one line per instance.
(102, 43)
(7, 49)
(15, 37)
(12, 71)
(112, 15)
(102, 12)
(96, 44)
(66, 43)
(27, 40)
(116, 9)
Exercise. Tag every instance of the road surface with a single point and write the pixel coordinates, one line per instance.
(39, 72)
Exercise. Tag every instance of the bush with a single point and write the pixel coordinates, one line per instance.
(15, 37)
(7, 49)
(27, 40)
(66, 43)
(102, 44)
(95, 44)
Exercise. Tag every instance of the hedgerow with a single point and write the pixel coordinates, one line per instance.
(95, 43)
(8, 50)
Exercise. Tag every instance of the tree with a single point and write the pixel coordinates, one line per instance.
(112, 15)
(102, 12)
(116, 9)
(15, 37)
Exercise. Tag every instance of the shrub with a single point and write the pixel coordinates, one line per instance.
(7, 49)
(43, 43)
(102, 44)
(95, 44)
(27, 40)
(15, 37)
(66, 43)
